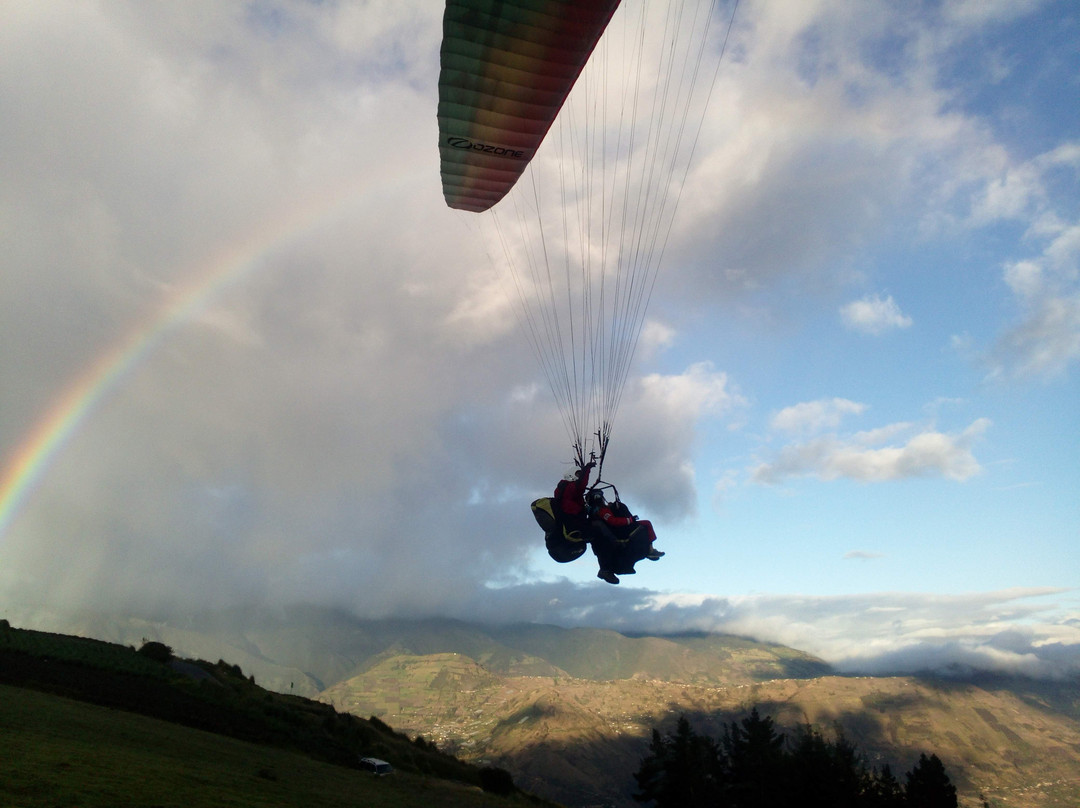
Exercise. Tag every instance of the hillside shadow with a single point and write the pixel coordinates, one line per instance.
(602, 769)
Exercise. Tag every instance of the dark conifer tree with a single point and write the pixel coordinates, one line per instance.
(884, 790)
(928, 786)
(682, 770)
(754, 753)
(754, 766)
(824, 774)
(651, 776)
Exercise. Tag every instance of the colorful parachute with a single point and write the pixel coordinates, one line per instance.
(507, 67)
(581, 237)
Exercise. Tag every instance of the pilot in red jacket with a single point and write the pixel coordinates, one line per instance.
(570, 494)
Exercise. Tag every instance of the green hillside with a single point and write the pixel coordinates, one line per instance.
(90, 723)
(62, 752)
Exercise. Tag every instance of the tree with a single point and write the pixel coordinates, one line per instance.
(755, 762)
(829, 774)
(652, 774)
(928, 785)
(883, 790)
(682, 770)
(756, 766)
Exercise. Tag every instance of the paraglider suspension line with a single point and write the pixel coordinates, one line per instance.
(602, 438)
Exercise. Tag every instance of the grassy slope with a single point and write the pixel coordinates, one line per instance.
(59, 752)
(85, 722)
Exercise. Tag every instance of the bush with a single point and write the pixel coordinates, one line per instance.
(157, 651)
(381, 725)
(496, 781)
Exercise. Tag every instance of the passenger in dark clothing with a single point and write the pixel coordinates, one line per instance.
(619, 540)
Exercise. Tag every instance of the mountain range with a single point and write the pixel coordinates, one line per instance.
(569, 712)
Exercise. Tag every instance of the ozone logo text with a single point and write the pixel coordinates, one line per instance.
(486, 148)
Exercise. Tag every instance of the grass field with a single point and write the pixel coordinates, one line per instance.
(57, 752)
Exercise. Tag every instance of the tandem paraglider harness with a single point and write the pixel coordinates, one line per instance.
(565, 536)
(565, 541)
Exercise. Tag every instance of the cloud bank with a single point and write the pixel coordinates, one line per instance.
(924, 452)
(343, 410)
(1025, 632)
(1032, 633)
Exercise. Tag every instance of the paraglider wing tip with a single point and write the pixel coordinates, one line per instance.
(468, 204)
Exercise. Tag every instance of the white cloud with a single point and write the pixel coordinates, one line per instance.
(662, 413)
(1018, 190)
(484, 312)
(815, 416)
(1025, 278)
(882, 434)
(1044, 341)
(700, 389)
(926, 454)
(874, 315)
(1014, 631)
(655, 337)
(862, 555)
(1067, 154)
(1008, 197)
(1064, 251)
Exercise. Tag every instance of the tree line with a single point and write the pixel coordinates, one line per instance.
(753, 765)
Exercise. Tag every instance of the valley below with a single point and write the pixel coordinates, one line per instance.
(569, 712)
(579, 741)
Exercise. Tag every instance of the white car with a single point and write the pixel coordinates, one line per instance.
(376, 766)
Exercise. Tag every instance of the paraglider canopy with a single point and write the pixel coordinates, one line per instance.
(583, 235)
(507, 67)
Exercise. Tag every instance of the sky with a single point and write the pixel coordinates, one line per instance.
(249, 356)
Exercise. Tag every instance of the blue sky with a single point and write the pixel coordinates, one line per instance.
(853, 418)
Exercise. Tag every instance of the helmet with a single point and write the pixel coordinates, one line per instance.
(595, 497)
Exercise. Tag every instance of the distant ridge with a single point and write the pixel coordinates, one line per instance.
(305, 649)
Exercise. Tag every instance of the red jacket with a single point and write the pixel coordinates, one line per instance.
(610, 518)
(570, 494)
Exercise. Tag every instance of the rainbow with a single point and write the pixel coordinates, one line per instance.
(23, 472)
